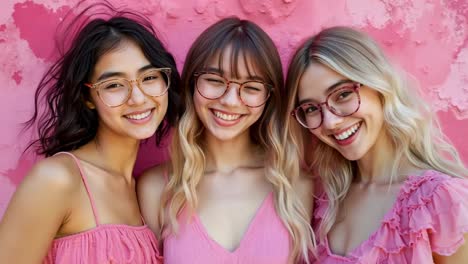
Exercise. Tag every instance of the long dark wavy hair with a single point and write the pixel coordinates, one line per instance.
(67, 123)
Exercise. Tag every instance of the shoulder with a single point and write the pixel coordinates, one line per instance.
(41, 204)
(438, 203)
(433, 184)
(304, 184)
(154, 178)
(56, 174)
(304, 187)
(150, 188)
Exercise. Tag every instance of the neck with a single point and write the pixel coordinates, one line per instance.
(376, 165)
(228, 155)
(113, 153)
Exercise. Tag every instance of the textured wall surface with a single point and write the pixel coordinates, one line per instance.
(427, 38)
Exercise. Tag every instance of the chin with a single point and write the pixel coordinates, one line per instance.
(352, 156)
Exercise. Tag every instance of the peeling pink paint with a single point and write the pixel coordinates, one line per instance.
(17, 173)
(427, 38)
(17, 77)
(44, 23)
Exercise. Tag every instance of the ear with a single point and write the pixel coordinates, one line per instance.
(90, 105)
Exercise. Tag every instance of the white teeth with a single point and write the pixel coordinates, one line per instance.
(225, 116)
(346, 134)
(139, 116)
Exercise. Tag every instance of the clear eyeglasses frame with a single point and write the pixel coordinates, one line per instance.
(212, 85)
(117, 91)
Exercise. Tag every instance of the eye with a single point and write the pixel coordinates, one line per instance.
(310, 109)
(151, 76)
(343, 95)
(112, 85)
(252, 88)
(214, 80)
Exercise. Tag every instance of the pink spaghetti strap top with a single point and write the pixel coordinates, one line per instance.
(106, 243)
(266, 241)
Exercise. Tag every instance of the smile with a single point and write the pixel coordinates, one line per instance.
(227, 117)
(347, 133)
(139, 116)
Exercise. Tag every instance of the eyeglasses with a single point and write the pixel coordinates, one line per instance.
(213, 86)
(342, 102)
(116, 92)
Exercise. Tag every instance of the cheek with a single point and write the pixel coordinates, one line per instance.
(106, 114)
(257, 111)
(198, 101)
(315, 132)
(162, 102)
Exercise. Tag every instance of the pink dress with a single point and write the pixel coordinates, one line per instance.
(430, 215)
(106, 243)
(266, 241)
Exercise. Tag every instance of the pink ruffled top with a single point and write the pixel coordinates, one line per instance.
(430, 215)
(106, 243)
(266, 241)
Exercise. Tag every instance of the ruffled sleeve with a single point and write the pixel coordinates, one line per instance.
(449, 210)
(435, 209)
(430, 216)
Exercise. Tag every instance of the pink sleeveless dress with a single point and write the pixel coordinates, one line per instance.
(266, 241)
(106, 243)
(430, 215)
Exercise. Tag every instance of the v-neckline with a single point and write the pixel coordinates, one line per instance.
(353, 253)
(245, 236)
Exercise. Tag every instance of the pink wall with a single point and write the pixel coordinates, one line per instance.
(428, 38)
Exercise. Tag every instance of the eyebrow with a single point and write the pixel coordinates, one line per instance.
(107, 75)
(329, 90)
(221, 72)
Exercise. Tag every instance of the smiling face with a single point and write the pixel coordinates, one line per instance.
(354, 136)
(227, 117)
(139, 117)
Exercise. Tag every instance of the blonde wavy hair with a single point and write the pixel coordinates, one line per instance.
(188, 156)
(412, 126)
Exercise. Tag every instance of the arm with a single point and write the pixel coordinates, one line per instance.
(460, 256)
(150, 186)
(36, 212)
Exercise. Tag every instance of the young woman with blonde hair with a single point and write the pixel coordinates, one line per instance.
(393, 187)
(232, 194)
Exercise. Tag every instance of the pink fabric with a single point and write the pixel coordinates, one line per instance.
(106, 243)
(266, 241)
(429, 215)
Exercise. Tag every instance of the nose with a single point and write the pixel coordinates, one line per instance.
(137, 96)
(231, 97)
(330, 120)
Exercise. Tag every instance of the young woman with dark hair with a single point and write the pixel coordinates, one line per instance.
(233, 193)
(114, 86)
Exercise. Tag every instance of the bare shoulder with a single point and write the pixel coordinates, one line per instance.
(55, 174)
(40, 205)
(304, 187)
(150, 187)
(305, 183)
(153, 180)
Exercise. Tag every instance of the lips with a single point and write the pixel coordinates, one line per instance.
(225, 116)
(139, 116)
(348, 132)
